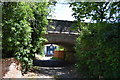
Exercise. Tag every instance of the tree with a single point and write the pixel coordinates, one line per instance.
(17, 31)
(97, 47)
(38, 25)
(23, 28)
(96, 11)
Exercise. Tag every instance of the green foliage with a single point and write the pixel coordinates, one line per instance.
(23, 30)
(96, 11)
(98, 50)
(39, 26)
(97, 47)
(17, 32)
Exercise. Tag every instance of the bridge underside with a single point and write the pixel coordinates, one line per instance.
(65, 40)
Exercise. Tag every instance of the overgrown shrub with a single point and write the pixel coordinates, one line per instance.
(17, 31)
(97, 50)
(21, 20)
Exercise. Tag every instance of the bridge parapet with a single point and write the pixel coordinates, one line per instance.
(61, 26)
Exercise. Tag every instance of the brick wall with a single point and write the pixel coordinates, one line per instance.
(11, 68)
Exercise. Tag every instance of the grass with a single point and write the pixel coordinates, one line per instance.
(54, 58)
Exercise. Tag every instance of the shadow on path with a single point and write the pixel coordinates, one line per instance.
(54, 70)
(50, 63)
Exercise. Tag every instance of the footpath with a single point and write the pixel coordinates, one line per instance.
(67, 71)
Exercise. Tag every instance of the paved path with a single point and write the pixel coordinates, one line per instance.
(47, 68)
(53, 72)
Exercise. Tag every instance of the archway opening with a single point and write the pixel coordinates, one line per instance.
(49, 49)
(55, 55)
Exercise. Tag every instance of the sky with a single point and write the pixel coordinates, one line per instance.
(62, 12)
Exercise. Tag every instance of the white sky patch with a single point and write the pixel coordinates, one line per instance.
(63, 12)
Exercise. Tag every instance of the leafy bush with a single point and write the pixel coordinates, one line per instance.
(18, 30)
(97, 50)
